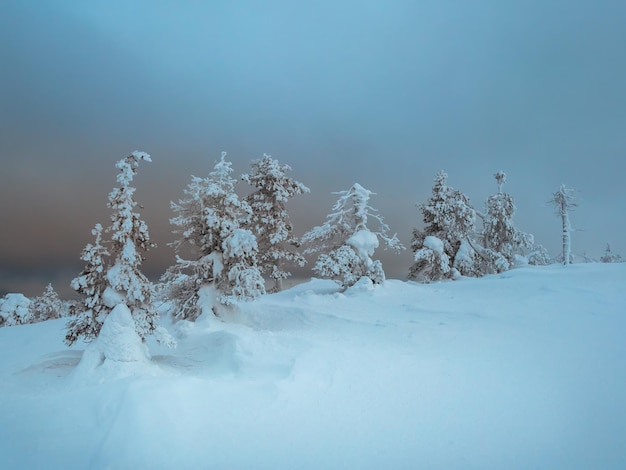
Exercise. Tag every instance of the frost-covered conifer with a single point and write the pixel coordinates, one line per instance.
(129, 241)
(270, 220)
(46, 307)
(106, 285)
(564, 202)
(89, 314)
(449, 217)
(209, 222)
(346, 243)
(610, 257)
(501, 239)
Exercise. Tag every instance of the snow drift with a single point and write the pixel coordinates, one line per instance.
(519, 370)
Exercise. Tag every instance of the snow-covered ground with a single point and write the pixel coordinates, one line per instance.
(521, 370)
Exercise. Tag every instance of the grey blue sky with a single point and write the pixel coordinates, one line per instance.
(384, 93)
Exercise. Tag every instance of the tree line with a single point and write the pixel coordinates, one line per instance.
(227, 247)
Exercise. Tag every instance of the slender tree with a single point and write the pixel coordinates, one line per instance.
(565, 202)
(270, 220)
(14, 310)
(104, 284)
(130, 241)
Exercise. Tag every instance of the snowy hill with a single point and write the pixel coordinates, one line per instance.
(521, 370)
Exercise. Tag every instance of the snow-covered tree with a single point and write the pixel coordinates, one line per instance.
(564, 202)
(46, 307)
(104, 285)
(346, 243)
(14, 310)
(89, 314)
(129, 241)
(270, 220)
(502, 241)
(610, 257)
(223, 255)
(449, 217)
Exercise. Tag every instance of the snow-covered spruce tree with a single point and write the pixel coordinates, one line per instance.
(610, 257)
(501, 239)
(129, 241)
(105, 286)
(48, 306)
(346, 243)
(564, 202)
(448, 216)
(88, 315)
(270, 220)
(223, 265)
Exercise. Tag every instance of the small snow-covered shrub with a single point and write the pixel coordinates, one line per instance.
(46, 307)
(15, 310)
(539, 256)
(610, 257)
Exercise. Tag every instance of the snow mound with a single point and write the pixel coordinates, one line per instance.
(364, 284)
(117, 352)
(118, 341)
(510, 371)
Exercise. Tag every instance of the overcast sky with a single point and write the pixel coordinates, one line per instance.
(383, 93)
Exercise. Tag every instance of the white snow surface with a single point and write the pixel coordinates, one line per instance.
(525, 369)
